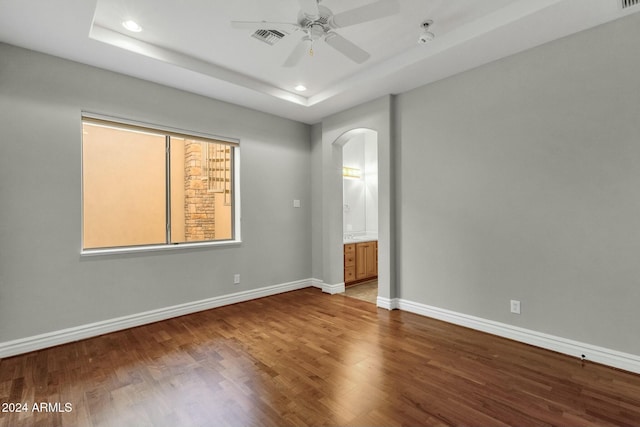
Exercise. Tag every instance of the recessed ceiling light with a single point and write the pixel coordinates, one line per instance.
(300, 88)
(132, 26)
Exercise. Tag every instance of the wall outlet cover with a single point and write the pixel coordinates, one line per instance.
(515, 306)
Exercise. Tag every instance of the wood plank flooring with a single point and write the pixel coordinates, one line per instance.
(307, 358)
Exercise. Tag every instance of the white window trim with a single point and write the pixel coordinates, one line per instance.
(157, 248)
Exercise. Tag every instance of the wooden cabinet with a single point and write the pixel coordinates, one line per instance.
(349, 262)
(360, 261)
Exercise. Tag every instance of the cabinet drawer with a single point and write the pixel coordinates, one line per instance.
(349, 274)
(350, 248)
(349, 260)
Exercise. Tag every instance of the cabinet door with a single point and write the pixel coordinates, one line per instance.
(376, 247)
(371, 268)
(361, 261)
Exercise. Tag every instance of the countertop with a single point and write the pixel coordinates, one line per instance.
(359, 239)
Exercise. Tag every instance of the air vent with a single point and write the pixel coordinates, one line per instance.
(629, 3)
(270, 37)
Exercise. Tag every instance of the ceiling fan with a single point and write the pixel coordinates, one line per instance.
(318, 22)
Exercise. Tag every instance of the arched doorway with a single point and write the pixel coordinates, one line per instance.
(334, 222)
(360, 213)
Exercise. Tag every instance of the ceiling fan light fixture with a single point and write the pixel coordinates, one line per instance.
(132, 26)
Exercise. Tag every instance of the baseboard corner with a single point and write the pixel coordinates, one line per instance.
(387, 303)
(338, 288)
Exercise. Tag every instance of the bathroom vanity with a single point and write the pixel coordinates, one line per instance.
(360, 261)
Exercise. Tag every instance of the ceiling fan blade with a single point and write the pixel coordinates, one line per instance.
(369, 12)
(298, 52)
(264, 25)
(309, 7)
(346, 48)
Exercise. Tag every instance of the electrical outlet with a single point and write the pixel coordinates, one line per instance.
(515, 306)
(236, 279)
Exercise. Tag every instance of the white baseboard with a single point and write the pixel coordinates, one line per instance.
(338, 288)
(605, 356)
(50, 339)
(614, 358)
(316, 283)
(387, 303)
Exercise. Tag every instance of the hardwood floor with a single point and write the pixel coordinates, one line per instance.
(307, 358)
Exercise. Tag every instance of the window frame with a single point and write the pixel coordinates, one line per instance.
(120, 123)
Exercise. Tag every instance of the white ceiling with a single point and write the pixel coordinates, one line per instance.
(190, 44)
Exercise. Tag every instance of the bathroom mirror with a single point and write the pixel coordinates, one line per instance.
(360, 187)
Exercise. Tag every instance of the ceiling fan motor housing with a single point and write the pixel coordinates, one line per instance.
(316, 23)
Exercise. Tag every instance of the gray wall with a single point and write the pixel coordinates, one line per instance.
(44, 283)
(521, 180)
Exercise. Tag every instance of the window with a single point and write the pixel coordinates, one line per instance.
(143, 187)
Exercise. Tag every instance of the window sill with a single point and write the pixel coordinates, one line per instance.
(157, 248)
